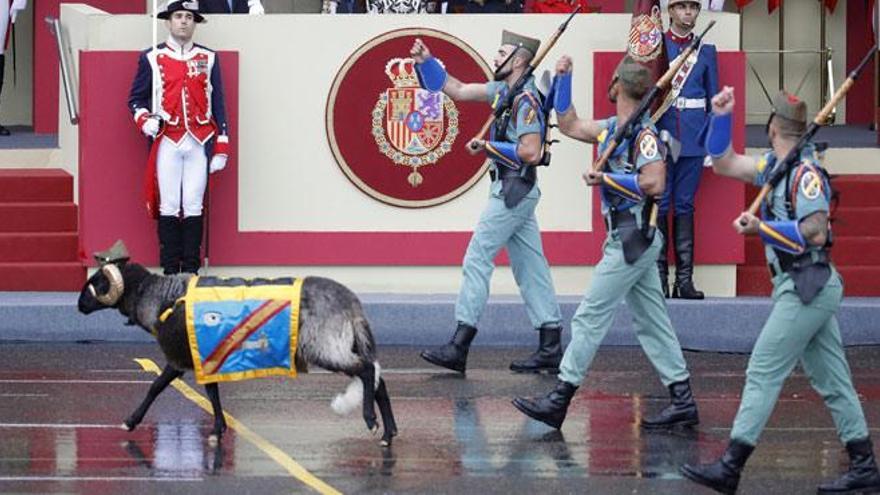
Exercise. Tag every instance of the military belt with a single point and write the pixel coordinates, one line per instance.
(784, 264)
(502, 172)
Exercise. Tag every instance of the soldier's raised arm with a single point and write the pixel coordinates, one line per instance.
(433, 76)
(719, 146)
(570, 124)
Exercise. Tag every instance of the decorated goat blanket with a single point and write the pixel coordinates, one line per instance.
(242, 328)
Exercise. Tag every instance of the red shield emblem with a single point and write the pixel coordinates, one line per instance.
(401, 144)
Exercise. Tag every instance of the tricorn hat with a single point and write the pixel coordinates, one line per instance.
(511, 38)
(187, 5)
(117, 252)
(789, 106)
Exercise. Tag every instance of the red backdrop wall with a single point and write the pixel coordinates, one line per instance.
(859, 38)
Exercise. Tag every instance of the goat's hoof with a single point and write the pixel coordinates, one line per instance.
(386, 440)
(129, 424)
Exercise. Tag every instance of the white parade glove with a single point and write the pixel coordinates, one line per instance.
(150, 128)
(255, 7)
(329, 7)
(16, 7)
(218, 163)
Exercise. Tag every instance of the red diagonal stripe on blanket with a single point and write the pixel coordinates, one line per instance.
(240, 333)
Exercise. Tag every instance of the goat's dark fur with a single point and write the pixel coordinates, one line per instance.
(333, 334)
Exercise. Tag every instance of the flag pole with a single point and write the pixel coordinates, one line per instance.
(154, 21)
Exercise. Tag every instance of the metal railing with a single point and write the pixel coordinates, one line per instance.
(55, 28)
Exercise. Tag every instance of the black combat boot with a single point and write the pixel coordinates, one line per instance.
(548, 355)
(192, 245)
(723, 474)
(551, 408)
(862, 476)
(453, 355)
(684, 259)
(170, 244)
(682, 411)
(662, 258)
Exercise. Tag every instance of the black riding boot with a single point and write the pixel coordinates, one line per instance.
(681, 412)
(170, 244)
(192, 244)
(453, 355)
(862, 475)
(723, 474)
(550, 409)
(684, 259)
(548, 355)
(662, 258)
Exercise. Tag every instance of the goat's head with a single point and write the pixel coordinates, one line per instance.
(104, 288)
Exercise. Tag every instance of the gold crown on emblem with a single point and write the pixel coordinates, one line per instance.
(402, 72)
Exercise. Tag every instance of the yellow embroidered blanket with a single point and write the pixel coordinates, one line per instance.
(242, 328)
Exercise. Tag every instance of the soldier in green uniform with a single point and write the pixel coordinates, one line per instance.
(807, 291)
(636, 172)
(516, 149)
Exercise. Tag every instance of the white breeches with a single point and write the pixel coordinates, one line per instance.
(182, 172)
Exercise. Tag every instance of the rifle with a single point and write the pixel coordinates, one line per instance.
(501, 106)
(782, 167)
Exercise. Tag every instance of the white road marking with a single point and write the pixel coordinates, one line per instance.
(60, 425)
(96, 478)
(76, 381)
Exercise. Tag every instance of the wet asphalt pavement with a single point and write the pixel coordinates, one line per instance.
(61, 406)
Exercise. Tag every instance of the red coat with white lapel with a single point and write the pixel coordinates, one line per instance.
(189, 90)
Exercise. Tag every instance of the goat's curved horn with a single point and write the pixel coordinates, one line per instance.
(114, 276)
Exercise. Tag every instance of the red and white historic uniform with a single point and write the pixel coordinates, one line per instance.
(193, 115)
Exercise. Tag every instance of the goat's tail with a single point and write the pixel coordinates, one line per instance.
(353, 396)
(364, 346)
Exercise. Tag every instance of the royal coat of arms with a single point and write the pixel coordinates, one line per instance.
(413, 126)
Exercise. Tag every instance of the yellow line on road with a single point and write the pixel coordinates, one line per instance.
(243, 431)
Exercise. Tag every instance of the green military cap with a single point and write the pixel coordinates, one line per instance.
(789, 106)
(635, 76)
(117, 252)
(511, 38)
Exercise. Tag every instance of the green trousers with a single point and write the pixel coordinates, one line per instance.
(638, 284)
(809, 334)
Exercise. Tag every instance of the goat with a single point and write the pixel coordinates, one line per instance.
(333, 334)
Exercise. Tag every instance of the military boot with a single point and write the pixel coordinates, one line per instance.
(453, 355)
(862, 476)
(550, 409)
(723, 474)
(663, 257)
(684, 259)
(546, 357)
(682, 411)
(192, 244)
(170, 244)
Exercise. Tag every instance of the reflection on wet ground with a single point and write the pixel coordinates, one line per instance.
(61, 407)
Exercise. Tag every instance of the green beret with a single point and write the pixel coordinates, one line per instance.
(511, 38)
(117, 252)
